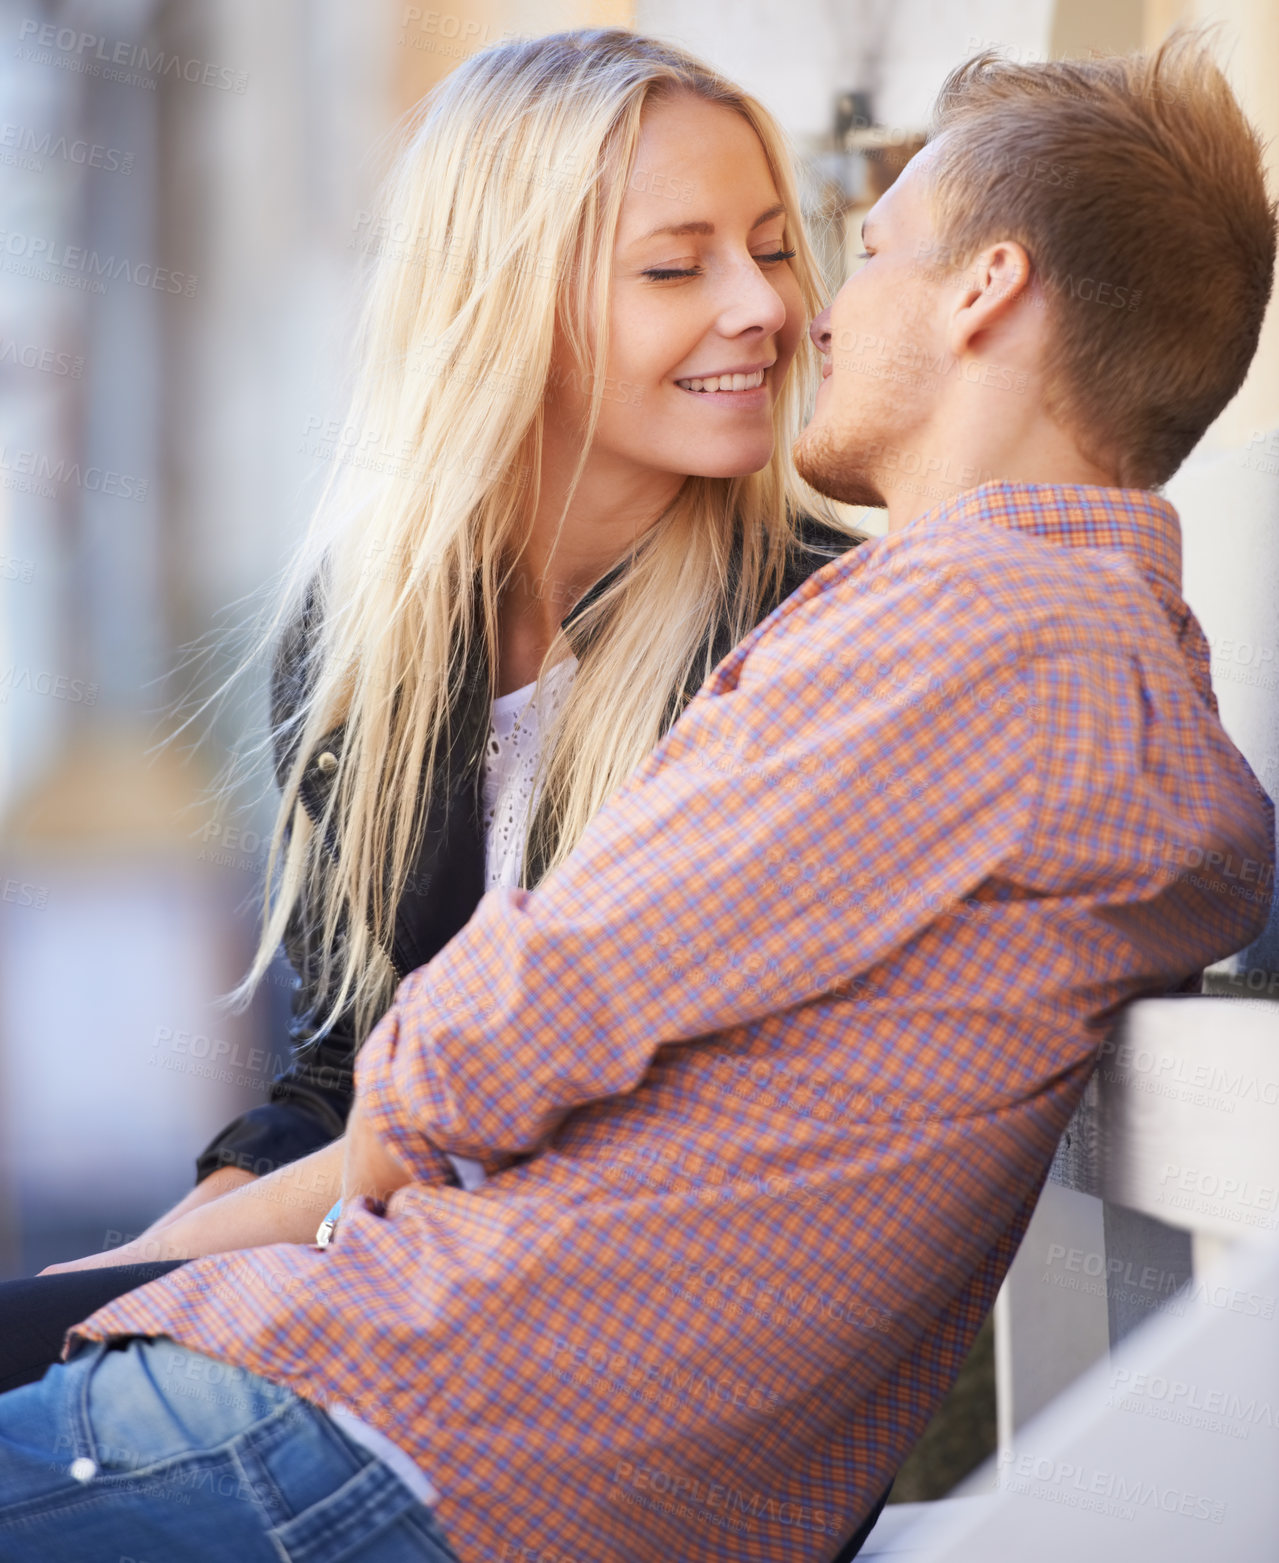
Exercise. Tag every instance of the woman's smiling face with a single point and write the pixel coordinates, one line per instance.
(706, 313)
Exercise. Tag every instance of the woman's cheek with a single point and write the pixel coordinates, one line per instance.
(792, 333)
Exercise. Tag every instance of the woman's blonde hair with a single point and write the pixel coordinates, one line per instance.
(502, 211)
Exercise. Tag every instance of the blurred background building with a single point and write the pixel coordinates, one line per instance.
(183, 192)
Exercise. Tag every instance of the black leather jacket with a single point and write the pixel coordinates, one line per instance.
(309, 1101)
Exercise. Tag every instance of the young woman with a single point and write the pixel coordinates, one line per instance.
(574, 409)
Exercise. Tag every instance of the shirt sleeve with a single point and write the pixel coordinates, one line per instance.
(862, 760)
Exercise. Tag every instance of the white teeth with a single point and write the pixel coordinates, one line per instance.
(725, 382)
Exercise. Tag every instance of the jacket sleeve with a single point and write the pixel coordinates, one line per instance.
(309, 1101)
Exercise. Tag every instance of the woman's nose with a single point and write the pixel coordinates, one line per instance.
(752, 303)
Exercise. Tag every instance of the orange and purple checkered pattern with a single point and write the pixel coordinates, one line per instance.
(767, 1076)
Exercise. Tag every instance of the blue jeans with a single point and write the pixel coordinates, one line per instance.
(150, 1452)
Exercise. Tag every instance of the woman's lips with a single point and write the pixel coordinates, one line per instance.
(729, 380)
(736, 388)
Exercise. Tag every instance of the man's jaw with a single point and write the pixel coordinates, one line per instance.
(844, 474)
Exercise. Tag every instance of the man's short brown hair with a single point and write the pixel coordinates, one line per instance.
(1136, 186)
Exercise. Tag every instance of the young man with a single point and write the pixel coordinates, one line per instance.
(767, 1077)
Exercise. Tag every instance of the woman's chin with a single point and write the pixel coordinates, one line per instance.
(736, 463)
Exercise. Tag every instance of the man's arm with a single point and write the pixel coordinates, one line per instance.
(862, 761)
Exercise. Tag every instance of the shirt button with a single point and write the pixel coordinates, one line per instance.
(82, 1470)
(328, 762)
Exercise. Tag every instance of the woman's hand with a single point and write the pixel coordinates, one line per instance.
(371, 1169)
(142, 1250)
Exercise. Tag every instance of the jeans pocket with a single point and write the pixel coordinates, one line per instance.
(371, 1516)
(152, 1401)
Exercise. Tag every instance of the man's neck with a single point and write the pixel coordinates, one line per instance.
(1047, 455)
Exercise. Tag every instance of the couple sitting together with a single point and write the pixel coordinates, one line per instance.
(706, 918)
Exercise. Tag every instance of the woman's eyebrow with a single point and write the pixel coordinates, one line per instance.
(708, 228)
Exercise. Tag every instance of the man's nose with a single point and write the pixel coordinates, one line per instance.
(819, 331)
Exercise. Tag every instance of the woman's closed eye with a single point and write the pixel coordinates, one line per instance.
(668, 273)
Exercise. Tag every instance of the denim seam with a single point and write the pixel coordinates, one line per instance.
(81, 1425)
(99, 1490)
(370, 1501)
(249, 1451)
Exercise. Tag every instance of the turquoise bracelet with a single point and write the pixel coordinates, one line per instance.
(324, 1235)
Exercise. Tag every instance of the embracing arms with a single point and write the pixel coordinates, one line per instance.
(773, 847)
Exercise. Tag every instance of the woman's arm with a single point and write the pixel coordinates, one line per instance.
(213, 1187)
(285, 1206)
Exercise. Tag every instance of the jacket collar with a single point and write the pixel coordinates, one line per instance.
(592, 593)
(1143, 524)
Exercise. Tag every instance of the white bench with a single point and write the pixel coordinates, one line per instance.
(1137, 1333)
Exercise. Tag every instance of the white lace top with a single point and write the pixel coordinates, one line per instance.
(510, 761)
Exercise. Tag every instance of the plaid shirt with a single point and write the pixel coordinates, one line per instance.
(766, 1078)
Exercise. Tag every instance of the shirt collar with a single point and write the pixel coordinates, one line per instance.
(1142, 524)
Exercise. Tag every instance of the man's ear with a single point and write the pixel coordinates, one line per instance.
(994, 284)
